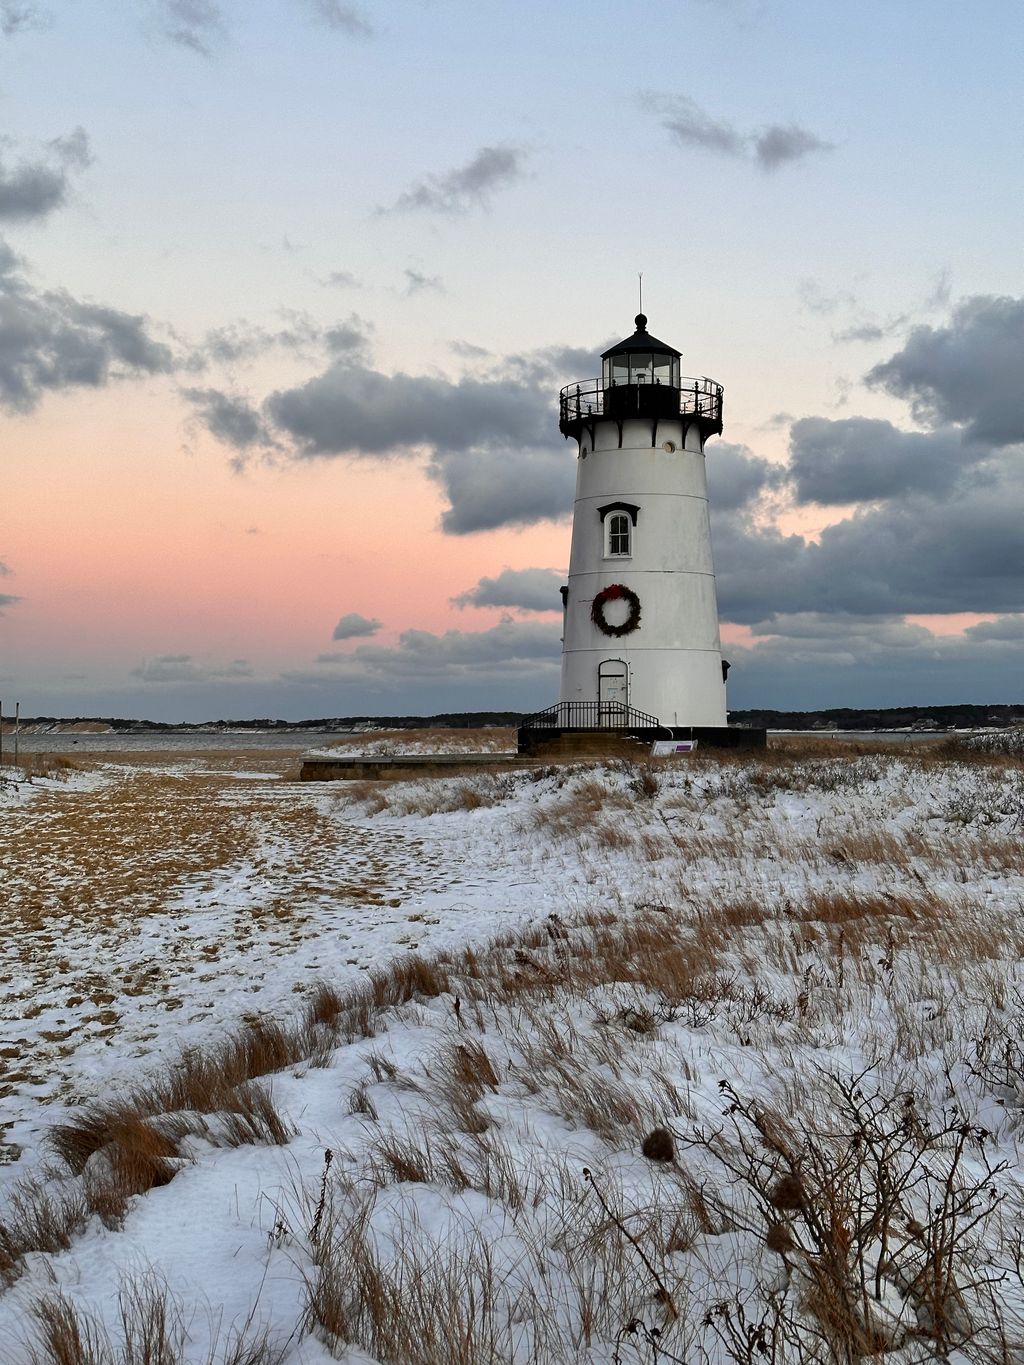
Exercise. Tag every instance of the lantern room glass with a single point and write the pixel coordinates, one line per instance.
(641, 367)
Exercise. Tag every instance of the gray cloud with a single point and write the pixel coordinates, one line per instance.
(771, 147)
(851, 662)
(72, 149)
(336, 15)
(354, 626)
(862, 459)
(915, 554)
(503, 485)
(511, 648)
(341, 279)
(737, 477)
(242, 341)
(1009, 628)
(185, 668)
(194, 24)
(780, 143)
(470, 186)
(350, 338)
(33, 189)
(969, 372)
(468, 351)
(17, 16)
(524, 589)
(690, 126)
(52, 341)
(6, 599)
(416, 282)
(230, 418)
(352, 410)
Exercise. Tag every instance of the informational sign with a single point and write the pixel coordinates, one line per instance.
(665, 748)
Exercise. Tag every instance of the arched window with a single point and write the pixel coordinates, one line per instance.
(619, 528)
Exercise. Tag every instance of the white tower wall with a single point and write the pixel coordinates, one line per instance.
(672, 660)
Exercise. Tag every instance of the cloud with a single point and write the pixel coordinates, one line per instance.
(350, 338)
(230, 418)
(862, 459)
(523, 589)
(770, 147)
(17, 16)
(503, 484)
(185, 668)
(1009, 628)
(470, 186)
(690, 126)
(509, 649)
(917, 553)
(194, 24)
(353, 626)
(467, 350)
(345, 18)
(8, 600)
(72, 149)
(490, 438)
(242, 340)
(416, 282)
(827, 661)
(968, 372)
(737, 477)
(352, 410)
(341, 279)
(32, 189)
(51, 341)
(779, 143)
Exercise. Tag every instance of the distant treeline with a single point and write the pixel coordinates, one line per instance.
(963, 716)
(448, 720)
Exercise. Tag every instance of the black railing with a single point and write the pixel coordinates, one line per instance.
(591, 715)
(591, 398)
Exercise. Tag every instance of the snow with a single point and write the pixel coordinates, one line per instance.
(776, 991)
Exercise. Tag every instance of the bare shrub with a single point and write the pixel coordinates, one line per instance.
(659, 1145)
(879, 1202)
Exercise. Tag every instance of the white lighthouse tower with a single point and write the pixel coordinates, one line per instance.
(641, 644)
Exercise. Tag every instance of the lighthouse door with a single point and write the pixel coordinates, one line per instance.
(612, 692)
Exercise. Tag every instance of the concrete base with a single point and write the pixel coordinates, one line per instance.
(362, 767)
(538, 741)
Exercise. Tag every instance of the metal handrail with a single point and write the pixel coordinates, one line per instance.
(591, 715)
(585, 399)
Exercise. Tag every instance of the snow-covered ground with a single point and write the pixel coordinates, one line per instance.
(795, 971)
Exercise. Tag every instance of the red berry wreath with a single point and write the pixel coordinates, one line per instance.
(611, 594)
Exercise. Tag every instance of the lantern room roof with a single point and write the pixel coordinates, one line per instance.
(641, 340)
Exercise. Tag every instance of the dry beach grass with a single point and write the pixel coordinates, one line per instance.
(802, 971)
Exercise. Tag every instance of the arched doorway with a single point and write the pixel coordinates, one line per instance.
(612, 691)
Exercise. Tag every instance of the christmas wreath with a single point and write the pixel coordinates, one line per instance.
(612, 594)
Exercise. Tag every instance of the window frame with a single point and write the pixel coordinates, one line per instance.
(616, 525)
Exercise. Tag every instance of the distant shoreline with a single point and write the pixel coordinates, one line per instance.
(949, 718)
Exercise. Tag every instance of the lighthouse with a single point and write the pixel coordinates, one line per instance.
(641, 645)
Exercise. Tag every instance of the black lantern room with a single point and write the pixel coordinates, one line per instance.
(640, 379)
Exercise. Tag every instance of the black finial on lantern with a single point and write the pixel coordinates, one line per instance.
(641, 322)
